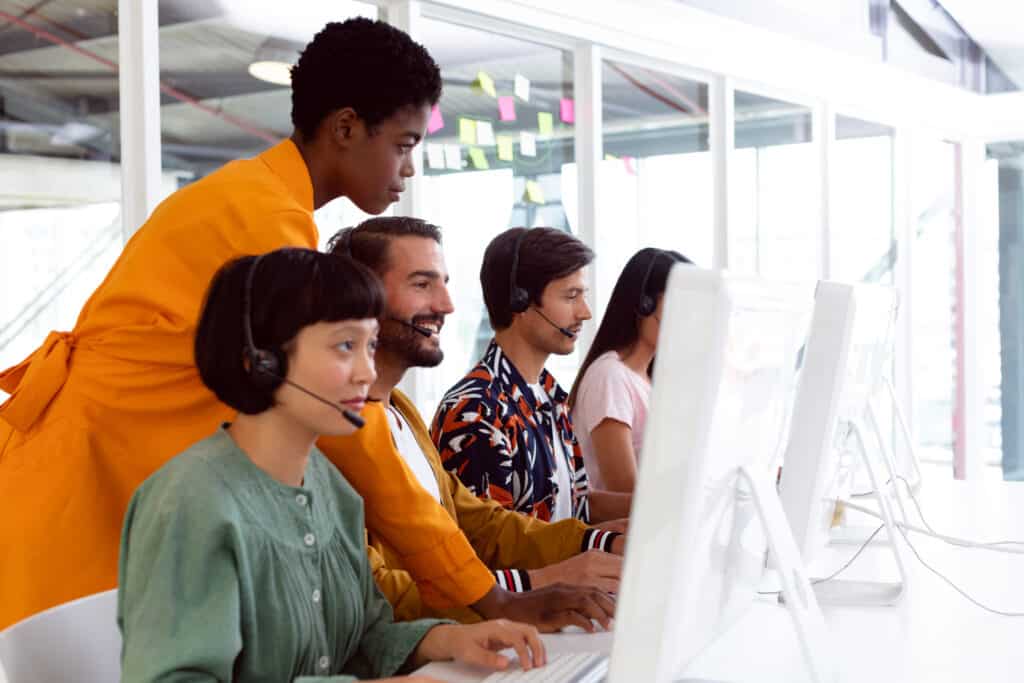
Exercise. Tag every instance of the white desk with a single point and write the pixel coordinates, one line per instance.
(933, 636)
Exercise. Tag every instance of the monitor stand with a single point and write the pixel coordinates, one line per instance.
(797, 594)
(867, 593)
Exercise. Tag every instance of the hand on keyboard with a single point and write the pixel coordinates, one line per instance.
(479, 644)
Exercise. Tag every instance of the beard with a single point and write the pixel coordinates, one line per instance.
(408, 344)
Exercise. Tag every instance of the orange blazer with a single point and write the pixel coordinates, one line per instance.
(95, 411)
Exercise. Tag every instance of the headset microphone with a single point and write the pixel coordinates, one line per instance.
(413, 326)
(568, 333)
(355, 419)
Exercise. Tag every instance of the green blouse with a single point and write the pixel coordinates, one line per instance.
(228, 574)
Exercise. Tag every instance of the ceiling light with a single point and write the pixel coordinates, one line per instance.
(273, 61)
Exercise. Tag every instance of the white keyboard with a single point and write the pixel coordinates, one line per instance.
(574, 667)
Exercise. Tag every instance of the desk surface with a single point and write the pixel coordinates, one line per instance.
(933, 635)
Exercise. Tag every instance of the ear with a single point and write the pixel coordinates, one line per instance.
(345, 126)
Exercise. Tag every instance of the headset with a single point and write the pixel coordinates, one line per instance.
(647, 304)
(519, 298)
(268, 367)
(344, 244)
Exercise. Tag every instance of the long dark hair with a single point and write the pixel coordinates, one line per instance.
(620, 326)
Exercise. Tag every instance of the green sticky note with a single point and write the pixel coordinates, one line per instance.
(478, 158)
(505, 150)
(534, 192)
(484, 83)
(467, 131)
(610, 157)
(545, 123)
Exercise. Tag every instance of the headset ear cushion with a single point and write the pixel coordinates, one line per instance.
(646, 306)
(267, 367)
(519, 300)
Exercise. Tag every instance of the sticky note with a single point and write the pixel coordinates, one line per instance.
(567, 110)
(522, 87)
(505, 148)
(545, 123)
(467, 131)
(435, 155)
(436, 122)
(610, 157)
(479, 159)
(453, 157)
(484, 83)
(507, 108)
(534, 192)
(628, 163)
(527, 144)
(484, 133)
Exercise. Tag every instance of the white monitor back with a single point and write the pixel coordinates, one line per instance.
(723, 384)
(843, 366)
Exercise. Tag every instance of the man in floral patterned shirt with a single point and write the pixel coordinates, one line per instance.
(505, 429)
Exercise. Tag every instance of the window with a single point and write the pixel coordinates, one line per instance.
(226, 87)
(933, 295)
(60, 198)
(498, 154)
(656, 177)
(1001, 317)
(774, 190)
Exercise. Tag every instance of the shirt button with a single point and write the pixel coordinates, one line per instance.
(309, 539)
(324, 661)
(316, 595)
(301, 499)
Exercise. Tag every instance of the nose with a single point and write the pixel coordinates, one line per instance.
(444, 304)
(408, 169)
(364, 370)
(583, 310)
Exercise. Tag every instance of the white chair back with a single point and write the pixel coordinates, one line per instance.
(76, 641)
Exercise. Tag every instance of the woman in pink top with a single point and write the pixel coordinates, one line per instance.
(609, 399)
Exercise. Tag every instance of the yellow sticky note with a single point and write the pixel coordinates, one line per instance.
(610, 157)
(467, 131)
(534, 192)
(505, 150)
(478, 158)
(545, 123)
(484, 83)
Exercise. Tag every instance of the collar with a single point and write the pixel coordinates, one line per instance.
(503, 370)
(287, 164)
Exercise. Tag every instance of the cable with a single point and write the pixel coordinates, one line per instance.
(951, 540)
(953, 585)
(815, 582)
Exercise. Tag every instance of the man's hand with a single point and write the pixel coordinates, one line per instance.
(593, 568)
(550, 608)
(478, 644)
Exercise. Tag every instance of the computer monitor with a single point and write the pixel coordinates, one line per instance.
(848, 345)
(723, 382)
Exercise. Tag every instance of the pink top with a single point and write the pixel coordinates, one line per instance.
(609, 390)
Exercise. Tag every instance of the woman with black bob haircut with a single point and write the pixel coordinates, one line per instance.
(243, 558)
(610, 397)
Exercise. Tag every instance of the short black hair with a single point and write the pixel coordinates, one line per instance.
(367, 65)
(545, 254)
(368, 242)
(291, 289)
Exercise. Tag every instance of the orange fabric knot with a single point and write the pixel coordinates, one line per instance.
(34, 382)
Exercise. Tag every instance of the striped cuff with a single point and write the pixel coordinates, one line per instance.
(596, 539)
(514, 580)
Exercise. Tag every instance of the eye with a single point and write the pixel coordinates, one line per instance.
(347, 346)
(421, 285)
(372, 346)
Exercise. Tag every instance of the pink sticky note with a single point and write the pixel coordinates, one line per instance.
(628, 163)
(507, 108)
(436, 122)
(568, 111)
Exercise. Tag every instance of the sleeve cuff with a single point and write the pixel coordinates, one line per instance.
(596, 539)
(513, 580)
